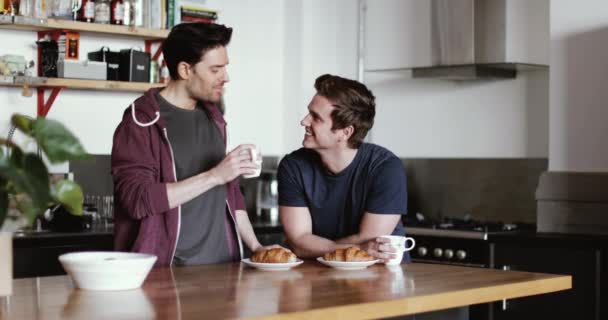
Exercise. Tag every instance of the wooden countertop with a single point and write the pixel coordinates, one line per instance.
(309, 291)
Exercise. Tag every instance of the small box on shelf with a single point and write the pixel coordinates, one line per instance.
(84, 69)
(134, 66)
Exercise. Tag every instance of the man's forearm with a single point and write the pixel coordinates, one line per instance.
(246, 230)
(355, 239)
(183, 191)
(311, 246)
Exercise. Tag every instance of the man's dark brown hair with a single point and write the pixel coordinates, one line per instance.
(188, 42)
(353, 103)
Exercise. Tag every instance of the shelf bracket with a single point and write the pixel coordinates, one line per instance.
(45, 107)
(158, 50)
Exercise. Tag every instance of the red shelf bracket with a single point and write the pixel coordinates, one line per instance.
(158, 51)
(45, 107)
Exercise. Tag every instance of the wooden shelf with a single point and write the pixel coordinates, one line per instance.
(100, 85)
(27, 23)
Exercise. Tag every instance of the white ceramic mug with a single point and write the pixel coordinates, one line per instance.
(398, 242)
(256, 157)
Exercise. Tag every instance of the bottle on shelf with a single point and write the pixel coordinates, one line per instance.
(164, 73)
(117, 12)
(11, 7)
(102, 11)
(129, 12)
(87, 11)
(25, 8)
(40, 8)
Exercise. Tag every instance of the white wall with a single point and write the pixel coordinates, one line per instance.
(469, 119)
(579, 86)
(254, 93)
(320, 37)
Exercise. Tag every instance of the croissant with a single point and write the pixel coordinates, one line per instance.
(274, 255)
(350, 254)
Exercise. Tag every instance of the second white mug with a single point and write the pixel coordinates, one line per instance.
(256, 157)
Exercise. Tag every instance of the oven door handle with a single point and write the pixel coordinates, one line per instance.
(505, 303)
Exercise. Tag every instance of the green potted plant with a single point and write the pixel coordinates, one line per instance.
(25, 187)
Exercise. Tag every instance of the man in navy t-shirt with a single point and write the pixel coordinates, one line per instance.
(338, 191)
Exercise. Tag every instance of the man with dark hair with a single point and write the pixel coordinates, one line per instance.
(176, 190)
(337, 191)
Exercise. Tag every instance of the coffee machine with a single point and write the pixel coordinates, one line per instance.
(267, 197)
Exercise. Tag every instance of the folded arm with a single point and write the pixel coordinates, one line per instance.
(298, 229)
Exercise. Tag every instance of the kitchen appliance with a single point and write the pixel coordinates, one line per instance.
(458, 241)
(267, 197)
(472, 39)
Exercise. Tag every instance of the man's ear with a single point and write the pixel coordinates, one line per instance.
(348, 132)
(183, 70)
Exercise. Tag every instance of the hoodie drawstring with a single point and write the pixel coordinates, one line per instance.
(143, 124)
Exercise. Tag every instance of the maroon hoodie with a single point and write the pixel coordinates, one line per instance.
(142, 164)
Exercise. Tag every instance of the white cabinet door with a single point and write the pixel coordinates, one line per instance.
(397, 34)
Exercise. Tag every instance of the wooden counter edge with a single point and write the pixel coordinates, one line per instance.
(432, 302)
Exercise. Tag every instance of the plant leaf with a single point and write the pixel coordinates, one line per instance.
(69, 194)
(23, 123)
(57, 141)
(27, 174)
(27, 207)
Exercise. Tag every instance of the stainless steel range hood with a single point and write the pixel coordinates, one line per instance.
(473, 39)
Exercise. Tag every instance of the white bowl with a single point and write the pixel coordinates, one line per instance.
(100, 270)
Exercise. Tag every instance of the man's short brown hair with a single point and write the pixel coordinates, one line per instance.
(354, 104)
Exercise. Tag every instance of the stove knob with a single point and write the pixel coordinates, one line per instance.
(448, 253)
(461, 254)
(437, 252)
(422, 251)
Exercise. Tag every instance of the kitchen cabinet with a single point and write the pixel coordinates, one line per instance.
(36, 255)
(583, 263)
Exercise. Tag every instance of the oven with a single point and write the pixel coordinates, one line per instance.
(462, 242)
(456, 248)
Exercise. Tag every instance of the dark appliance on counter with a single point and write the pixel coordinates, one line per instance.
(267, 197)
(458, 241)
(134, 65)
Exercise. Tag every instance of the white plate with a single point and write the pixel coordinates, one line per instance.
(346, 265)
(272, 266)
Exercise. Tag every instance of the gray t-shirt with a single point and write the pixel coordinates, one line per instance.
(197, 147)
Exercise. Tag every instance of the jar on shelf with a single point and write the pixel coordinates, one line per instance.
(87, 11)
(102, 11)
(117, 12)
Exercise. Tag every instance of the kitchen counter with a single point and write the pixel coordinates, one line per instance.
(309, 291)
(551, 239)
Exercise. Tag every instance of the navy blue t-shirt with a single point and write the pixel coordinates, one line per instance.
(373, 182)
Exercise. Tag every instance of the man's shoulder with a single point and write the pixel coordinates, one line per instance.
(300, 156)
(301, 160)
(376, 155)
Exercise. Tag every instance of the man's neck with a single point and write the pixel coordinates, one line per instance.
(178, 96)
(338, 159)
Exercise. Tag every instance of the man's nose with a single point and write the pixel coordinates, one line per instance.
(226, 77)
(305, 121)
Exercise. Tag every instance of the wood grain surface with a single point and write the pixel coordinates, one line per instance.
(309, 291)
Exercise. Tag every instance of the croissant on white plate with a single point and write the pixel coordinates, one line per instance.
(274, 255)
